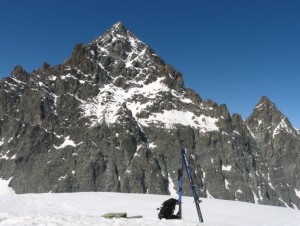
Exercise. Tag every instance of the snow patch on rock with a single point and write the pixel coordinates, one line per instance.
(297, 192)
(226, 168)
(283, 126)
(67, 142)
(106, 107)
(172, 189)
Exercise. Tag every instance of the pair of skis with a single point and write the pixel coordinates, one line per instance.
(185, 166)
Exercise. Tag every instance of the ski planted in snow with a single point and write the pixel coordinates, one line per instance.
(189, 174)
(180, 193)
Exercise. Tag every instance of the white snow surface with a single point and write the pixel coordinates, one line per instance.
(297, 192)
(108, 104)
(5, 189)
(86, 208)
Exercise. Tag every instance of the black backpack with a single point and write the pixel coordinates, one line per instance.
(167, 209)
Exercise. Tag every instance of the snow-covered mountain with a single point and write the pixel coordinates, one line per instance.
(114, 116)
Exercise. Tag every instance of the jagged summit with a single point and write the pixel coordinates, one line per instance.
(264, 100)
(117, 32)
(119, 28)
(264, 104)
(267, 119)
(266, 110)
(117, 46)
(18, 69)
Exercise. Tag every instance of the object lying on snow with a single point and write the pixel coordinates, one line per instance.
(119, 215)
(167, 209)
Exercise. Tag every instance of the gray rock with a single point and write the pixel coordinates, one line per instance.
(114, 215)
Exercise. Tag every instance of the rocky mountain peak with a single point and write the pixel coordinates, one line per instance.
(19, 73)
(264, 99)
(118, 28)
(46, 66)
(264, 105)
(114, 116)
(268, 120)
(117, 51)
(266, 111)
(18, 69)
(117, 32)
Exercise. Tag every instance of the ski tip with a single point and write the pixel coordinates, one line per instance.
(183, 150)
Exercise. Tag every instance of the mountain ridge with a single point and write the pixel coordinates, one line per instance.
(114, 116)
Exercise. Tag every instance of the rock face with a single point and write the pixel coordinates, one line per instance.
(114, 117)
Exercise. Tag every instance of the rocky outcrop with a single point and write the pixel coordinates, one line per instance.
(278, 144)
(114, 117)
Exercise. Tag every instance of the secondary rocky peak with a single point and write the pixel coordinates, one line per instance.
(264, 102)
(20, 74)
(265, 109)
(267, 121)
(264, 99)
(46, 66)
(18, 69)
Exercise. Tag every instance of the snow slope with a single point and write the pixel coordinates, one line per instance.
(86, 209)
(5, 189)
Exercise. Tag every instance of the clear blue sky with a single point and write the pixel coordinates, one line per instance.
(231, 51)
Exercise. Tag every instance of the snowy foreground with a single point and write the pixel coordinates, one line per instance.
(87, 208)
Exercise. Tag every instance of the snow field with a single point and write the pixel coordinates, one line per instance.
(86, 208)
